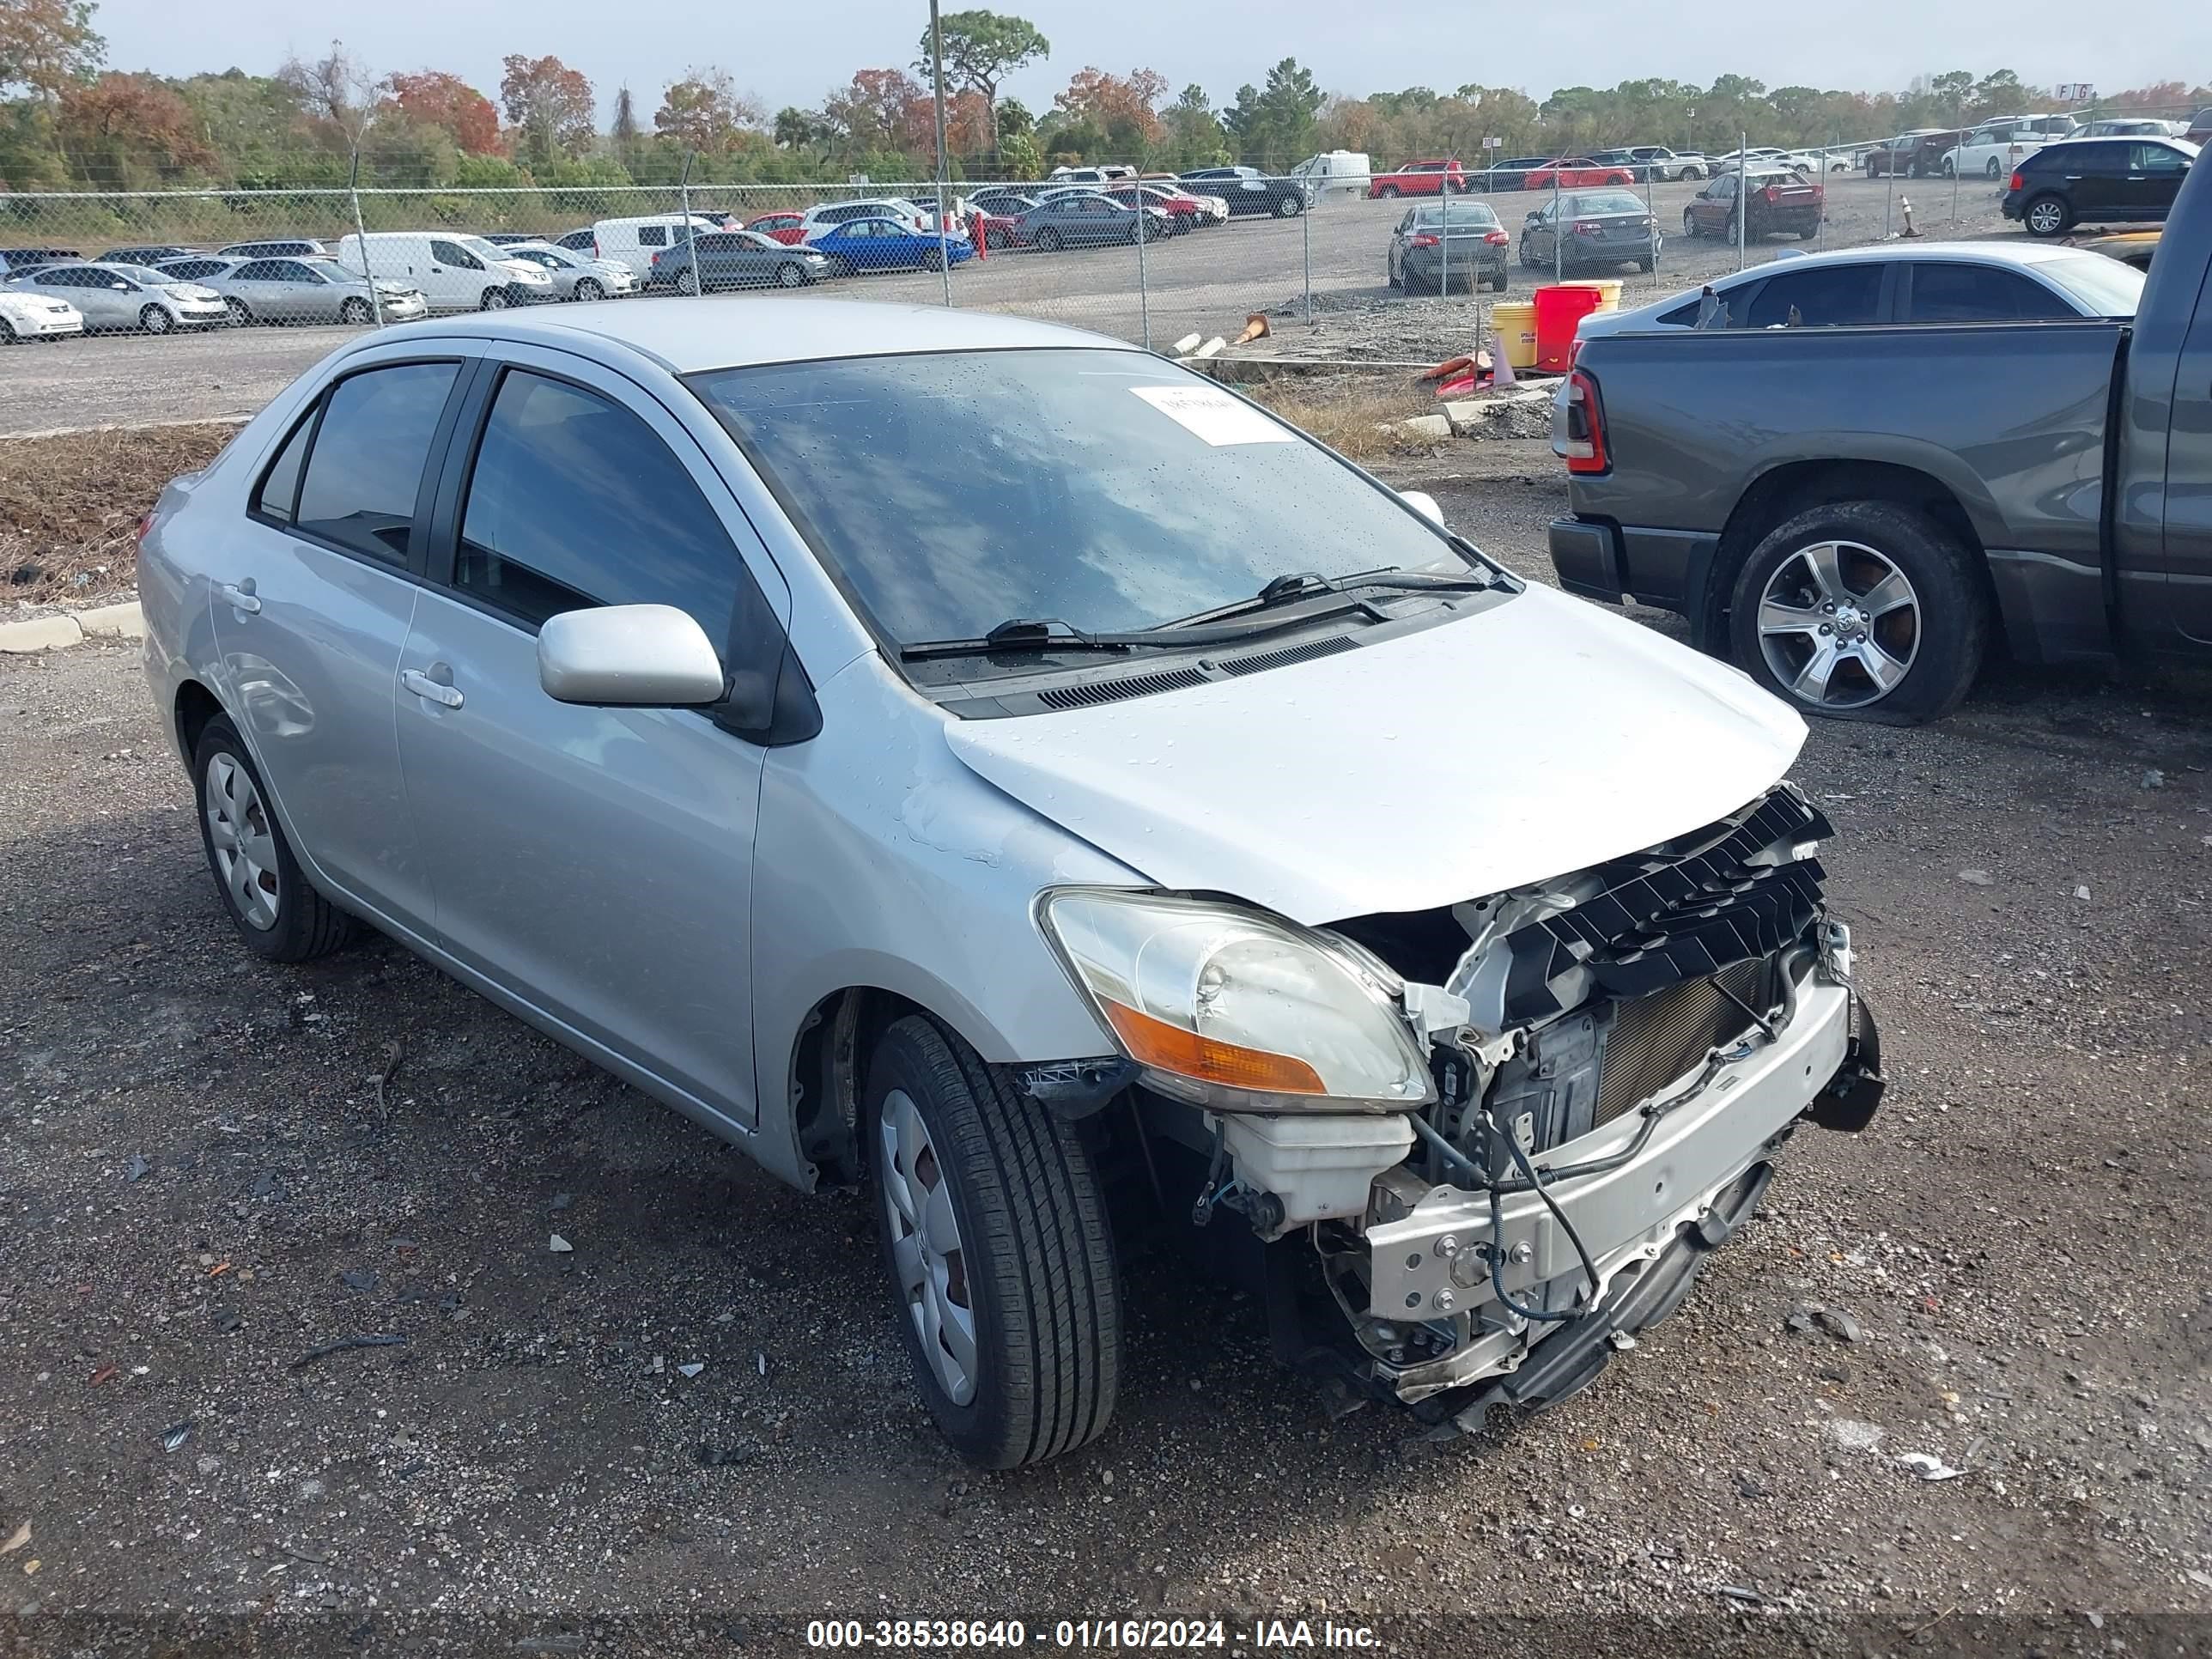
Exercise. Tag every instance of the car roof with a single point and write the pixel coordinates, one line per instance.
(686, 335)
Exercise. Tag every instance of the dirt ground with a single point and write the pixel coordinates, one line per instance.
(70, 506)
(203, 1181)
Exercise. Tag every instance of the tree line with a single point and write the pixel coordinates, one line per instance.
(69, 121)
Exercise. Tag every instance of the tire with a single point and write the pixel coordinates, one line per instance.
(1933, 646)
(1498, 283)
(1950, 167)
(239, 316)
(1691, 173)
(1391, 277)
(844, 266)
(1049, 239)
(299, 923)
(997, 241)
(1288, 207)
(2047, 216)
(357, 313)
(1689, 224)
(1388, 192)
(1647, 266)
(790, 275)
(155, 320)
(1528, 259)
(932, 258)
(1031, 1251)
(1912, 170)
(1727, 230)
(7, 333)
(687, 281)
(588, 290)
(494, 299)
(1992, 171)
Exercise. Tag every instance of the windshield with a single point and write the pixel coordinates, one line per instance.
(481, 249)
(949, 493)
(1606, 201)
(141, 274)
(1463, 213)
(2104, 287)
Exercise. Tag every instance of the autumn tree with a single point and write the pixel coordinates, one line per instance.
(1119, 106)
(432, 98)
(122, 130)
(875, 112)
(46, 45)
(550, 105)
(982, 49)
(706, 112)
(335, 91)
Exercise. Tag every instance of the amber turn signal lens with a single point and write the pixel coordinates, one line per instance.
(1170, 1048)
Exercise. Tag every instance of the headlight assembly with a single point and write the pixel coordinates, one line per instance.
(1234, 1010)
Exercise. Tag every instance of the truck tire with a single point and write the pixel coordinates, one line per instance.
(995, 1230)
(1864, 611)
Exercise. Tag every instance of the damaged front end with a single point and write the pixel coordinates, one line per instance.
(1609, 1062)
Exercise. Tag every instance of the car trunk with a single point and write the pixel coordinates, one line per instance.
(1458, 242)
(1611, 229)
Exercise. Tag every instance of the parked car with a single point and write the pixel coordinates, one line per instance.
(1111, 172)
(581, 240)
(1085, 219)
(2131, 127)
(1249, 192)
(1437, 244)
(915, 922)
(634, 240)
(786, 225)
(1639, 172)
(1184, 211)
(1994, 148)
(739, 258)
(15, 261)
(1897, 283)
(1575, 173)
(1774, 199)
(1923, 158)
(1509, 175)
(291, 247)
(453, 273)
(26, 316)
(511, 238)
(860, 245)
(282, 291)
(2134, 248)
(156, 253)
(1592, 230)
(2200, 127)
(1858, 515)
(2098, 181)
(1669, 165)
(1895, 157)
(1006, 201)
(125, 297)
(1418, 179)
(575, 276)
(828, 216)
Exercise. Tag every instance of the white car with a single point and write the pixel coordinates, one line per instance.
(37, 316)
(1994, 148)
(825, 216)
(576, 275)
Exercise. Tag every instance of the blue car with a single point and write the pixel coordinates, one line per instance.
(863, 245)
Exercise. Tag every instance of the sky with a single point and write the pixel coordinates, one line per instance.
(793, 53)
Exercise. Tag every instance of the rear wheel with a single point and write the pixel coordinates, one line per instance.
(2047, 216)
(995, 1233)
(156, 319)
(1993, 170)
(1865, 610)
(276, 913)
(1048, 239)
(1388, 192)
(996, 240)
(687, 281)
(355, 311)
(1498, 282)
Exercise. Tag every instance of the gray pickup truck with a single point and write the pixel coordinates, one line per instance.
(1857, 516)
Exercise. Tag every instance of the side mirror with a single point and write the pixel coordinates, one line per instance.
(1423, 503)
(651, 656)
(1534, 213)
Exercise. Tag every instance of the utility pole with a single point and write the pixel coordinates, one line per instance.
(937, 79)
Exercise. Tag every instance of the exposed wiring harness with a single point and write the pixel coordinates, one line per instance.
(1499, 1137)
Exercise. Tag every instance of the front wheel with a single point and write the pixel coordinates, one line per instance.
(1048, 239)
(494, 299)
(156, 319)
(357, 312)
(1388, 192)
(276, 913)
(1498, 283)
(1992, 171)
(932, 258)
(997, 239)
(1864, 611)
(1288, 207)
(1691, 172)
(588, 289)
(1001, 1260)
(790, 275)
(1690, 223)
(8, 336)
(2047, 216)
(687, 281)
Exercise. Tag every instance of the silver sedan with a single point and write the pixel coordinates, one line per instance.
(575, 276)
(303, 290)
(119, 297)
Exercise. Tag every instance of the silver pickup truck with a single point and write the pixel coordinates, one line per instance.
(1859, 516)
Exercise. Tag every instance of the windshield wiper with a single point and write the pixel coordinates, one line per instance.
(1046, 636)
(1306, 584)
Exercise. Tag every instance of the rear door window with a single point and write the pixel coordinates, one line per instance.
(1833, 297)
(366, 468)
(280, 485)
(2158, 161)
(653, 236)
(1980, 293)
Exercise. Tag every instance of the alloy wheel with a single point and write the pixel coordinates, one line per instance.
(789, 276)
(1839, 624)
(926, 1247)
(245, 848)
(239, 316)
(2046, 218)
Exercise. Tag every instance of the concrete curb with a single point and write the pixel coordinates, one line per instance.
(58, 632)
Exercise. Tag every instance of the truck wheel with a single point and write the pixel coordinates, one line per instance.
(1862, 611)
(2047, 216)
(995, 1230)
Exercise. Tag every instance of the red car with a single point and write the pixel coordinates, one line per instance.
(1417, 178)
(1576, 172)
(788, 228)
(998, 228)
(1184, 211)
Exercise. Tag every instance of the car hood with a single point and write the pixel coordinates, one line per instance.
(1529, 740)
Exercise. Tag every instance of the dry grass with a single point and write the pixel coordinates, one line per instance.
(1357, 418)
(69, 504)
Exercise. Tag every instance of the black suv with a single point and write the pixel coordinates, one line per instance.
(2097, 181)
(1248, 191)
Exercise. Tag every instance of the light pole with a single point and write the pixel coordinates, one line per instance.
(937, 80)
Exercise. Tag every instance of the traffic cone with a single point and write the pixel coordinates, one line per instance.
(1501, 373)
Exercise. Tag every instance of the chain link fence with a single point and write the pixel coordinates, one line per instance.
(1332, 268)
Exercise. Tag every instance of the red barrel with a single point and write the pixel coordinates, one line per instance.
(1559, 307)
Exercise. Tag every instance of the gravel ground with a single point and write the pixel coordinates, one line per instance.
(1205, 282)
(203, 1181)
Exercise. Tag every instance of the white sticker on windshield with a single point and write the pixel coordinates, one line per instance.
(1213, 414)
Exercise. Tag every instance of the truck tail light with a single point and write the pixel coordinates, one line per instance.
(2015, 184)
(1578, 425)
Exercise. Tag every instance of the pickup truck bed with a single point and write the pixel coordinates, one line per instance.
(2045, 485)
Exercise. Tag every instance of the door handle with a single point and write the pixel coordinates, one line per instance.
(437, 691)
(240, 596)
